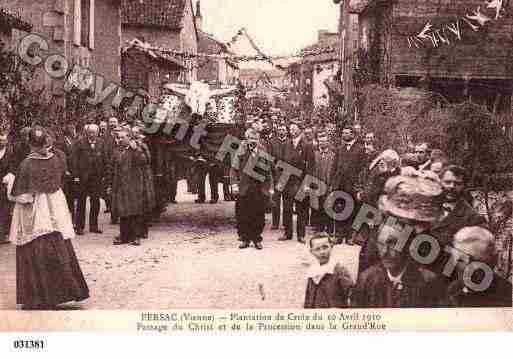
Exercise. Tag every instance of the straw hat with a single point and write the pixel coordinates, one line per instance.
(415, 198)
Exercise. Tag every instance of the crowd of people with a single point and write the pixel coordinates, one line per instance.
(424, 190)
(49, 178)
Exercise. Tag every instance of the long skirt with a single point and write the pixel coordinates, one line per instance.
(48, 273)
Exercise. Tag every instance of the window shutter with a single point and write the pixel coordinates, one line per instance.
(91, 24)
(77, 23)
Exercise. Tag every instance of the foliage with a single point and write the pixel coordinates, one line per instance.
(468, 133)
(24, 103)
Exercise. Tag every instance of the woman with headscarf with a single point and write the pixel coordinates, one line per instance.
(47, 269)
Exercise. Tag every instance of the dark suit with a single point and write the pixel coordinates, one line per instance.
(65, 144)
(276, 149)
(344, 175)
(88, 164)
(462, 216)
(253, 199)
(301, 157)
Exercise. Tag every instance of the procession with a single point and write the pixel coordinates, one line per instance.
(332, 185)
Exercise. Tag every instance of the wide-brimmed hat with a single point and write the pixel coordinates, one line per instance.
(415, 198)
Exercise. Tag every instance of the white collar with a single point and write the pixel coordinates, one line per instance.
(398, 279)
(316, 271)
(350, 144)
(425, 165)
(2, 152)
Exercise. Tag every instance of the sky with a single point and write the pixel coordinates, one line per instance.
(279, 27)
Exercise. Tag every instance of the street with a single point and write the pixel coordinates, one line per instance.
(190, 261)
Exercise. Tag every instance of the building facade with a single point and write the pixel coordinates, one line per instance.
(477, 67)
(217, 72)
(320, 67)
(84, 32)
(167, 24)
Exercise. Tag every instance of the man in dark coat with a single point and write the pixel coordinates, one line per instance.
(65, 144)
(254, 190)
(324, 157)
(297, 153)
(6, 168)
(127, 189)
(350, 159)
(109, 141)
(277, 148)
(88, 171)
(395, 281)
(458, 213)
(21, 148)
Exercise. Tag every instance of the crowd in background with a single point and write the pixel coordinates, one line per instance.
(115, 162)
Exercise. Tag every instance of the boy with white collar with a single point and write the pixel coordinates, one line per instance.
(329, 283)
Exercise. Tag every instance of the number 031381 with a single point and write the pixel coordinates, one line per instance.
(29, 344)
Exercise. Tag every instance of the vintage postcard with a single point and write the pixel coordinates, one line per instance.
(274, 166)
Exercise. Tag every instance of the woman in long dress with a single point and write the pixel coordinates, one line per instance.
(47, 269)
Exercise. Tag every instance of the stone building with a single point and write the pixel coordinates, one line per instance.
(214, 71)
(320, 67)
(167, 24)
(477, 67)
(10, 21)
(84, 32)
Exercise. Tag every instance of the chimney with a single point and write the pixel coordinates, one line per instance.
(198, 17)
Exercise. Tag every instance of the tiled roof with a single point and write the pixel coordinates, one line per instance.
(154, 55)
(357, 6)
(158, 13)
(208, 44)
(9, 20)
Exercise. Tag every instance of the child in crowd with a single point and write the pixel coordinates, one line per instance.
(329, 283)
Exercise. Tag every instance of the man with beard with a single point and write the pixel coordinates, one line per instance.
(299, 154)
(348, 163)
(255, 184)
(458, 213)
(277, 150)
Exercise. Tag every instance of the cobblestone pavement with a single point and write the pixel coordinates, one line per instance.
(191, 261)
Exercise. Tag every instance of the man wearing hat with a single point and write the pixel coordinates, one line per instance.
(395, 279)
(350, 159)
(88, 171)
(415, 201)
(476, 284)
